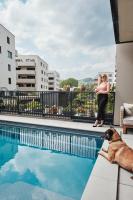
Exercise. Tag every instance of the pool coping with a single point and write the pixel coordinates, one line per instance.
(102, 183)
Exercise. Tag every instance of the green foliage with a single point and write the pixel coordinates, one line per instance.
(33, 105)
(70, 81)
(90, 87)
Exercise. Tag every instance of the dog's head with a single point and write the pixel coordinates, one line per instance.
(111, 135)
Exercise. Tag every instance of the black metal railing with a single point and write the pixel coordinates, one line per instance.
(80, 106)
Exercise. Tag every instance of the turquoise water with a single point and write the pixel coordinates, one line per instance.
(45, 164)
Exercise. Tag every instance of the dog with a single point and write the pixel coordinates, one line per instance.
(118, 151)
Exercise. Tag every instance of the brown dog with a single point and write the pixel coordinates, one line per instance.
(118, 151)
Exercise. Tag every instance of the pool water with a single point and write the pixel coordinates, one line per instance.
(43, 163)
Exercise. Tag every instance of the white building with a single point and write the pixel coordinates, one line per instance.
(31, 73)
(53, 81)
(7, 60)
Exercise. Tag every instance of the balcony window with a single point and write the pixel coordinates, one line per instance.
(51, 88)
(9, 54)
(0, 49)
(51, 78)
(30, 68)
(9, 67)
(9, 81)
(30, 85)
(19, 60)
(8, 40)
(51, 83)
(21, 76)
(18, 68)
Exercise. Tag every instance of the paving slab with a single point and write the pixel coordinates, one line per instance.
(125, 192)
(54, 123)
(100, 189)
(125, 177)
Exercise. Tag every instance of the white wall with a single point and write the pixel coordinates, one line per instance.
(124, 77)
(56, 79)
(4, 60)
(38, 70)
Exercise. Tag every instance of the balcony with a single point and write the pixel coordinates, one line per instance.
(26, 80)
(31, 64)
(32, 89)
(25, 72)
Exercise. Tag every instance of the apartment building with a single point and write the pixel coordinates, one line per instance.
(7, 60)
(31, 73)
(53, 81)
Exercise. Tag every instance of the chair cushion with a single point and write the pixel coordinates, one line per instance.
(128, 109)
(128, 121)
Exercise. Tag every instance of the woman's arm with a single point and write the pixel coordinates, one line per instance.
(106, 91)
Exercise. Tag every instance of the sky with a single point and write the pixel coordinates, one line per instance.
(75, 37)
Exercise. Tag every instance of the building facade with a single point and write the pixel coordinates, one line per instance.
(31, 73)
(53, 81)
(7, 60)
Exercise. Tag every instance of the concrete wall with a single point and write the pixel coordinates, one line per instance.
(4, 60)
(124, 77)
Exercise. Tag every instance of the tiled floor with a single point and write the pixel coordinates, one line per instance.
(55, 123)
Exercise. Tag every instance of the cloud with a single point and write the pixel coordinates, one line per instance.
(70, 36)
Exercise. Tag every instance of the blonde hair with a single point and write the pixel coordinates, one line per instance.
(105, 76)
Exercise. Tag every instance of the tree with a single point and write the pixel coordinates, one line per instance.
(70, 81)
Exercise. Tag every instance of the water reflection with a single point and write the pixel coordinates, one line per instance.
(35, 173)
(66, 142)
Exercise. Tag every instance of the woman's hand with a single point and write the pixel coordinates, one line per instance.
(96, 90)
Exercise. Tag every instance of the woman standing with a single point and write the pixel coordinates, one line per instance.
(102, 91)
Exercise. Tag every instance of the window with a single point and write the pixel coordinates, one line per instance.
(42, 71)
(51, 78)
(9, 54)
(8, 40)
(41, 86)
(42, 79)
(30, 68)
(9, 80)
(41, 63)
(0, 49)
(19, 60)
(51, 88)
(9, 67)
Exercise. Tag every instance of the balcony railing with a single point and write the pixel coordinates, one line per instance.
(81, 106)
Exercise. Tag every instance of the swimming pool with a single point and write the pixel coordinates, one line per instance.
(45, 163)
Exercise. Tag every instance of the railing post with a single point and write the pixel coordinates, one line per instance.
(41, 95)
(113, 107)
(70, 97)
(18, 102)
